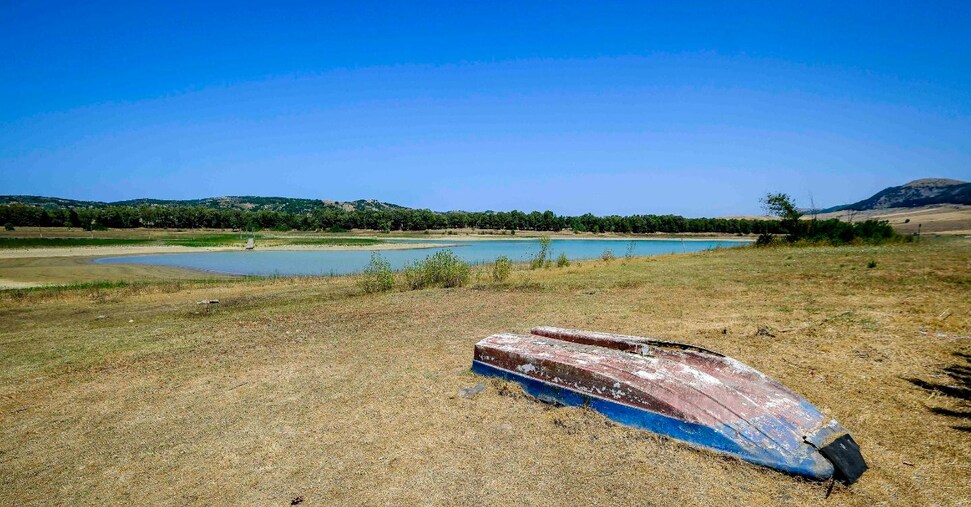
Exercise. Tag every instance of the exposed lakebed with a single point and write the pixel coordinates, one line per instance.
(340, 262)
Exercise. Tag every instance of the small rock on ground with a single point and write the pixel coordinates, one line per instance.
(469, 392)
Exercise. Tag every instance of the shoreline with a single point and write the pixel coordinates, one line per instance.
(485, 237)
(22, 268)
(399, 243)
(122, 251)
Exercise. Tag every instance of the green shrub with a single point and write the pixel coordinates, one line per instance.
(822, 232)
(441, 269)
(764, 239)
(377, 276)
(608, 255)
(501, 269)
(543, 255)
(562, 261)
(872, 264)
(8, 226)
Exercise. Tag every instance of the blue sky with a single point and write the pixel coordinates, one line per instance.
(693, 108)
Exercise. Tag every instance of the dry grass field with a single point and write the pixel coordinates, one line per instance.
(308, 388)
(937, 219)
(21, 272)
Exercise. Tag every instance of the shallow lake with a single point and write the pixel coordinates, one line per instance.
(339, 262)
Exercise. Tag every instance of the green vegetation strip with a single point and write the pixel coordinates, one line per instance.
(331, 241)
(67, 242)
(209, 240)
(204, 241)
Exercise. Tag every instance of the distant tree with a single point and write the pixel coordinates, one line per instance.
(782, 206)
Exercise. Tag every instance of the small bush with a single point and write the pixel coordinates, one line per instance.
(441, 269)
(608, 255)
(872, 264)
(543, 255)
(8, 226)
(377, 276)
(765, 239)
(562, 261)
(501, 269)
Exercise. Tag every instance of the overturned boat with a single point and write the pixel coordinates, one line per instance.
(682, 391)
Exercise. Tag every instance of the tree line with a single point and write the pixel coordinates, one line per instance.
(336, 219)
(832, 231)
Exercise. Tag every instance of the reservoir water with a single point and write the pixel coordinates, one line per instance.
(340, 262)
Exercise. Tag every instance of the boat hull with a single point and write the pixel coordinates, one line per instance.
(683, 392)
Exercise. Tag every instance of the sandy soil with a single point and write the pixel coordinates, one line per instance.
(14, 284)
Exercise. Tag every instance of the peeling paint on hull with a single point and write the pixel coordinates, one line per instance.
(684, 392)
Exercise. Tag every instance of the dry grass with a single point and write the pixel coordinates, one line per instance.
(937, 219)
(38, 271)
(307, 388)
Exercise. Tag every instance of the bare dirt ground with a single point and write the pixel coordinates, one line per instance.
(308, 388)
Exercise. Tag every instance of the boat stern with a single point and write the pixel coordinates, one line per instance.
(833, 442)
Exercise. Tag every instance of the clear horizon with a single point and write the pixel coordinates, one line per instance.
(761, 212)
(620, 108)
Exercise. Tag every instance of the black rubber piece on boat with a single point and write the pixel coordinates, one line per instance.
(844, 454)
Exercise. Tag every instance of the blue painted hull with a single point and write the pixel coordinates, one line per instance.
(806, 462)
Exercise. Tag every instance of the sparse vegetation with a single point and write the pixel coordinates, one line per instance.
(501, 269)
(68, 242)
(607, 255)
(208, 240)
(377, 276)
(541, 258)
(562, 261)
(326, 241)
(301, 361)
(441, 269)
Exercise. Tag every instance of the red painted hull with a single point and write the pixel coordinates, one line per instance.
(683, 391)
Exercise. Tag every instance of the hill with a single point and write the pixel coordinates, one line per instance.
(246, 202)
(923, 192)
